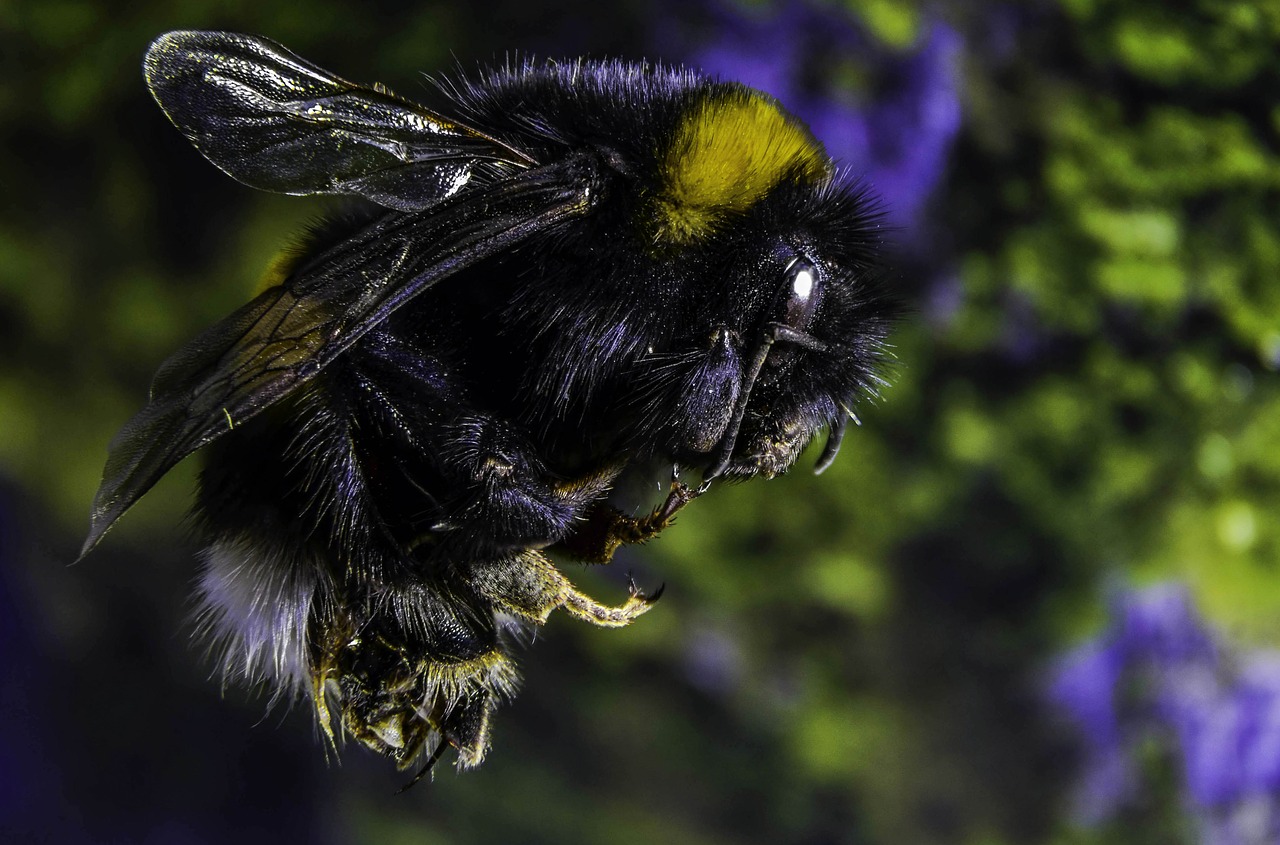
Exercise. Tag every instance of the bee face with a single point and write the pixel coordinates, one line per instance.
(581, 270)
(796, 323)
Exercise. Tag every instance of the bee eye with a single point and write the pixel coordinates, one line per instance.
(802, 292)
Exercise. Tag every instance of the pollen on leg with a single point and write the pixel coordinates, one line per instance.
(530, 586)
(584, 607)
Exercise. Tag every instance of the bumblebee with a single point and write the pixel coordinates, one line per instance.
(571, 275)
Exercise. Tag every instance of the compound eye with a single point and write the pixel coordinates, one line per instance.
(803, 290)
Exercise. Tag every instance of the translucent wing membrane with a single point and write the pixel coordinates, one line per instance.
(290, 332)
(275, 121)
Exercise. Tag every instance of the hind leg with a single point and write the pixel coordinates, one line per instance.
(528, 585)
(409, 663)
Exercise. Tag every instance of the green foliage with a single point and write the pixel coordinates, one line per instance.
(895, 24)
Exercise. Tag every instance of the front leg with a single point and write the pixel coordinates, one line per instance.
(498, 496)
(606, 528)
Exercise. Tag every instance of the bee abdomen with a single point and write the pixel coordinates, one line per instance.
(255, 603)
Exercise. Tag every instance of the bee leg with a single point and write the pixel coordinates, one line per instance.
(409, 662)
(502, 497)
(606, 528)
(588, 609)
(426, 767)
(530, 586)
(467, 724)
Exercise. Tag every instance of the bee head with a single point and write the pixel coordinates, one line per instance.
(788, 279)
(717, 310)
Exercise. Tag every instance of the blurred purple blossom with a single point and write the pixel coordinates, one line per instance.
(895, 133)
(713, 661)
(1159, 672)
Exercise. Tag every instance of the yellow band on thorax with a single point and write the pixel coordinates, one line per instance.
(726, 155)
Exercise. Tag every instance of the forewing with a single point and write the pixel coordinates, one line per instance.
(290, 332)
(274, 121)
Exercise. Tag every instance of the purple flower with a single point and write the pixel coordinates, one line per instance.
(1157, 672)
(1260, 681)
(1159, 627)
(895, 136)
(1229, 735)
(1083, 686)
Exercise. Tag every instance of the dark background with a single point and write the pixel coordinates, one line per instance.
(1084, 199)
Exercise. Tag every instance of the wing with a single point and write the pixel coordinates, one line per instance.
(290, 332)
(274, 121)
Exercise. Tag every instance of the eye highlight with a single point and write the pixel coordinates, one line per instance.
(803, 286)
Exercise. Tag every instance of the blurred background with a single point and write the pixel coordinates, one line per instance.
(1036, 599)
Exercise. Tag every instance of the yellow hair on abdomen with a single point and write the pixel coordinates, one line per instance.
(727, 153)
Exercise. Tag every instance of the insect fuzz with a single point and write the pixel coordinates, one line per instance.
(578, 273)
